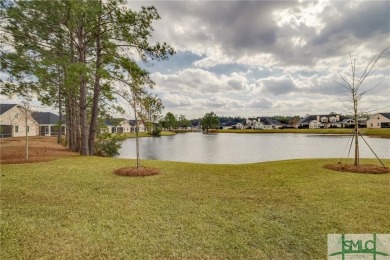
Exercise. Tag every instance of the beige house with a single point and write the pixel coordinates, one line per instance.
(118, 125)
(379, 120)
(13, 121)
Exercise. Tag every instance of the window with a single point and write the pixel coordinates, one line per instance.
(377, 124)
(372, 124)
(16, 129)
(28, 129)
(17, 115)
(385, 125)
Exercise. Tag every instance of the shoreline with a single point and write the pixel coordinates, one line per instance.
(380, 133)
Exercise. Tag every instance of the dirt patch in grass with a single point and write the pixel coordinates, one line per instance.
(363, 168)
(134, 172)
(41, 149)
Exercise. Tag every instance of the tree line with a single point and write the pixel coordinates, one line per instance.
(81, 57)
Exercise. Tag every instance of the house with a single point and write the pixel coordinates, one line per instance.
(118, 125)
(141, 126)
(238, 126)
(121, 125)
(323, 121)
(227, 125)
(13, 121)
(348, 123)
(48, 123)
(263, 123)
(379, 120)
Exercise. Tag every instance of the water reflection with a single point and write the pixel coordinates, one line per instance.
(246, 148)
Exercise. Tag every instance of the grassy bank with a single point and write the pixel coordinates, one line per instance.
(364, 131)
(75, 208)
(145, 134)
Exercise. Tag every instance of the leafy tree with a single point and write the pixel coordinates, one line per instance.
(152, 107)
(71, 50)
(169, 122)
(209, 121)
(183, 122)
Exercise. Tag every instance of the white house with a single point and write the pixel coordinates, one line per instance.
(141, 126)
(322, 121)
(238, 126)
(313, 124)
(13, 121)
(348, 122)
(379, 120)
(263, 123)
(118, 125)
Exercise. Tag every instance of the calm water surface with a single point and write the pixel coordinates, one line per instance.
(247, 148)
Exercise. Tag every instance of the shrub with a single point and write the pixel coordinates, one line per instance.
(156, 131)
(109, 147)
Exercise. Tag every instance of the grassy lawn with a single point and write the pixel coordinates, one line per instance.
(75, 208)
(364, 131)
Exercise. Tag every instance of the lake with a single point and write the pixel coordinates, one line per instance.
(249, 148)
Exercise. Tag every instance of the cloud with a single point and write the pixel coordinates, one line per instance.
(268, 56)
(278, 85)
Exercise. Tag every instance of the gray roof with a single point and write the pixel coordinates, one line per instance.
(46, 118)
(5, 107)
(387, 115)
(113, 121)
(268, 121)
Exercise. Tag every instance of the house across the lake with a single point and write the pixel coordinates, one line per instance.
(325, 121)
(121, 125)
(379, 120)
(262, 123)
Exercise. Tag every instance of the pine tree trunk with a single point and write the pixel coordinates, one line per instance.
(83, 90)
(59, 115)
(68, 123)
(96, 94)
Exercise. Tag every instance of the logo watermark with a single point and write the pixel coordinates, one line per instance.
(359, 246)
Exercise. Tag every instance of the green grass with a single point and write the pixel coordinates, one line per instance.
(76, 208)
(364, 131)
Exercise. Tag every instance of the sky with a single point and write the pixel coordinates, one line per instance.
(267, 58)
(256, 58)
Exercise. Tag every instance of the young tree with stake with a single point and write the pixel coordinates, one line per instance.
(353, 84)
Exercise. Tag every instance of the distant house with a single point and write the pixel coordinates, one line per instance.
(121, 125)
(348, 123)
(118, 125)
(141, 126)
(238, 126)
(379, 120)
(323, 121)
(48, 123)
(227, 125)
(13, 121)
(263, 123)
